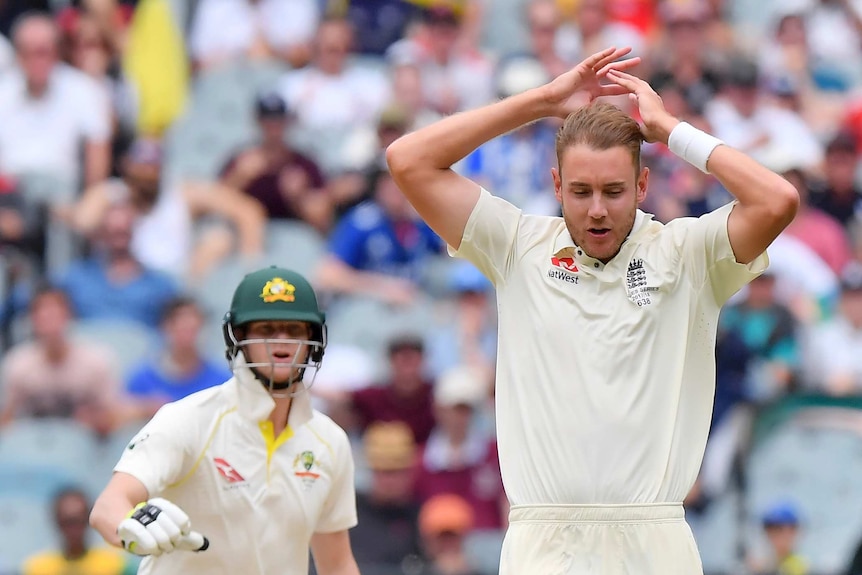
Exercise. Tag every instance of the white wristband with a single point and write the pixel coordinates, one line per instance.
(692, 145)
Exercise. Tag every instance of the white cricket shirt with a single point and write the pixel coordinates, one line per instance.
(605, 373)
(257, 498)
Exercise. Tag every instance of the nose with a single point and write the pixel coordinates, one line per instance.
(597, 209)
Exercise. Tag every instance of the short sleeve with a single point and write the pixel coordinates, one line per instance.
(94, 111)
(709, 258)
(346, 242)
(489, 236)
(339, 509)
(161, 453)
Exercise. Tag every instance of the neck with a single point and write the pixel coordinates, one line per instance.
(55, 349)
(36, 90)
(186, 360)
(457, 438)
(75, 550)
(279, 415)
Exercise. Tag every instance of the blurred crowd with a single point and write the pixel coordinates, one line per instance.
(153, 151)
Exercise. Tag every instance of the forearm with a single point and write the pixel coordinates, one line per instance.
(109, 510)
(97, 162)
(751, 183)
(346, 568)
(444, 143)
(339, 277)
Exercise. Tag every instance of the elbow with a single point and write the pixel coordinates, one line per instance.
(396, 158)
(97, 515)
(786, 201)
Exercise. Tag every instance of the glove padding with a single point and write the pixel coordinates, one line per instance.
(158, 526)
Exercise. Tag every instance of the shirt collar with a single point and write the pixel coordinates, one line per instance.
(564, 245)
(256, 404)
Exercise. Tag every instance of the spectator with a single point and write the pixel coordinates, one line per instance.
(21, 223)
(543, 23)
(812, 226)
(515, 165)
(380, 23)
(113, 283)
(179, 369)
(743, 118)
(7, 55)
(840, 197)
(466, 333)
(405, 397)
(590, 30)
(781, 525)
(286, 183)
(55, 375)
(379, 248)
(386, 538)
(684, 50)
(454, 78)
(460, 456)
(91, 48)
(181, 228)
(332, 96)
(833, 361)
(769, 331)
(47, 108)
(444, 521)
(225, 30)
(71, 517)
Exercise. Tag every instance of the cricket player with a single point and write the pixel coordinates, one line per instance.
(242, 477)
(607, 318)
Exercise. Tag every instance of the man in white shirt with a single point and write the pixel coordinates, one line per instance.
(48, 109)
(607, 319)
(249, 465)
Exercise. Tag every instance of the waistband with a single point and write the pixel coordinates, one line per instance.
(619, 513)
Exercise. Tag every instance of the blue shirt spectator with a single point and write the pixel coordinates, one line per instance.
(368, 239)
(155, 380)
(112, 283)
(379, 248)
(95, 294)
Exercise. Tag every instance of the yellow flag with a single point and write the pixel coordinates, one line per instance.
(157, 65)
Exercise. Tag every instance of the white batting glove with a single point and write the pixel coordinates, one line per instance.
(158, 526)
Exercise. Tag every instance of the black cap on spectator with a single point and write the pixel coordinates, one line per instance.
(406, 342)
(851, 277)
(842, 142)
(742, 73)
(271, 105)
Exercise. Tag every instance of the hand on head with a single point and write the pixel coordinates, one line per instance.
(582, 84)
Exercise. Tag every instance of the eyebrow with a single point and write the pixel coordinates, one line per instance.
(616, 184)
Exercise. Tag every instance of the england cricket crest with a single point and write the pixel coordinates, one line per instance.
(636, 284)
(304, 466)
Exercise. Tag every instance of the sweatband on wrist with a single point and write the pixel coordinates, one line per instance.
(692, 145)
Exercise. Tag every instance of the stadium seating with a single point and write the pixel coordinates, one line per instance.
(717, 534)
(129, 341)
(816, 465)
(25, 528)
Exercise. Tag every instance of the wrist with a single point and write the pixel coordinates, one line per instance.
(692, 145)
(665, 127)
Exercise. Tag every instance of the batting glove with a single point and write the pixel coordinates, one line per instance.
(158, 526)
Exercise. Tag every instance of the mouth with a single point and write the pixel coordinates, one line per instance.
(598, 232)
(281, 357)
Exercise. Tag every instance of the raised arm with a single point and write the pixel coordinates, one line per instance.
(767, 202)
(421, 161)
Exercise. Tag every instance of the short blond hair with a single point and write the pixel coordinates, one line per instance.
(601, 126)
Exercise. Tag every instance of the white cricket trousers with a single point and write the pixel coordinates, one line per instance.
(599, 540)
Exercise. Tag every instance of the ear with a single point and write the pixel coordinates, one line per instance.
(643, 181)
(558, 185)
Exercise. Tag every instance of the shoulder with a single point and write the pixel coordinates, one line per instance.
(196, 408)
(45, 562)
(327, 430)
(365, 217)
(21, 355)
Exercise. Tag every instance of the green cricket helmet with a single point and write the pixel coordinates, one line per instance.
(275, 294)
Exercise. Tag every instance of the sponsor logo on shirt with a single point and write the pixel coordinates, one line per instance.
(304, 466)
(636, 283)
(563, 269)
(227, 471)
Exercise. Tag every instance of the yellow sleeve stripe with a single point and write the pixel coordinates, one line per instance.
(203, 452)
